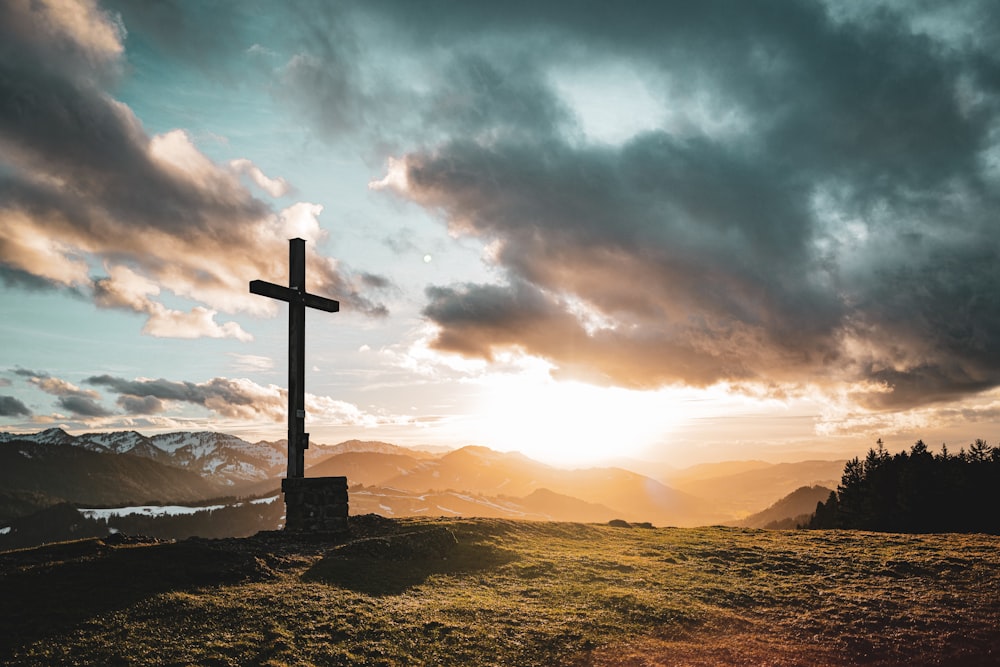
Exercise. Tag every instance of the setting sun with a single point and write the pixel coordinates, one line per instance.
(571, 423)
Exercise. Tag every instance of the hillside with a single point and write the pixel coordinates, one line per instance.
(226, 459)
(550, 505)
(539, 505)
(70, 473)
(365, 467)
(752, 490)
(497, 592)
(793, 510)
(485, 471)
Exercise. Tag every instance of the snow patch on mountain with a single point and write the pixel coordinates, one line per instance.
(211, 454)
(51, 436)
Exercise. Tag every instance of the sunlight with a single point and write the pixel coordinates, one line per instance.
(571, 423)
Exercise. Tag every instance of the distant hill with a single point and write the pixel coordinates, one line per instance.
(485, 471)
(377, 447)
(232, 459)
(558, 507)
(540, 505)
(364, 467)
(225, 458)
(395, 503)
(15, 504)
(752, 490)
(74, 474)
(714, 470)
(789, 512)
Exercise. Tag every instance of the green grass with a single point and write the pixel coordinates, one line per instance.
(495, 592)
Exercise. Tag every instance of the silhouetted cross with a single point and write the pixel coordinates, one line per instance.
(297, 297)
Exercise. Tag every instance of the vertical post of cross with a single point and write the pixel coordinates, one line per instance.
(296, 358)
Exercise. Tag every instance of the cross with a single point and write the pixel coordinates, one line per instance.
(297, 297)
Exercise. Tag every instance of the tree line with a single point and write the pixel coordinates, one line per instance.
(917, 491)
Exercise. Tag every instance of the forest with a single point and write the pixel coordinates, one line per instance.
(917, 491)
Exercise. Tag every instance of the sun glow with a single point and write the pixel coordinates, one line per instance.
(571, 423)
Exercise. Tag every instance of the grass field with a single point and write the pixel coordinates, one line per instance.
(495, 592)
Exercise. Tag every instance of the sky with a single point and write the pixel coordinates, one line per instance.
(671, 231)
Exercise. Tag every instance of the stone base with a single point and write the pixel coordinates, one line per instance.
(315, 504)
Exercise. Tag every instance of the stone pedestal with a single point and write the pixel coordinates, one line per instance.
(315, 504)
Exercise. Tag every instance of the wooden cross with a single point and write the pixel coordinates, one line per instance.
(297, 297)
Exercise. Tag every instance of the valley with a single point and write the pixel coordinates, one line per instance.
(110, 475)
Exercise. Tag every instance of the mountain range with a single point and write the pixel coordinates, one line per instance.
(226, 459)
(40, 469)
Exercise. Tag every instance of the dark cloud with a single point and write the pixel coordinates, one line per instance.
(161, 389)
(80, 402)
(188, 30)
(140, 405)
(477, 318)
(818, 207)
(376, 281)
(12, 407)
(228, 397)
(83, 406)
(587, 228)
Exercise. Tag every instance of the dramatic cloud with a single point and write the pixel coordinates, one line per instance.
(141, 405)
(82, 183)
(814, 202)
(79, 402)
(234, 398)
(83, 406)
(12, 407)
(227, 397)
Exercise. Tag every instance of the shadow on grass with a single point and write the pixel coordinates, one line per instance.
(54, 589)
(390, 565)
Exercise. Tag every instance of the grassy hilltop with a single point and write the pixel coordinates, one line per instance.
(498, 592)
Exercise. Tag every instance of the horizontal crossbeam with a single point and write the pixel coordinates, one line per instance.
(264, 288)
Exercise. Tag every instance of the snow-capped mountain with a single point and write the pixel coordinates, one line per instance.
(217, 456)
(51, 436)
(120, 442)
(123, 442)
(222, 454)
